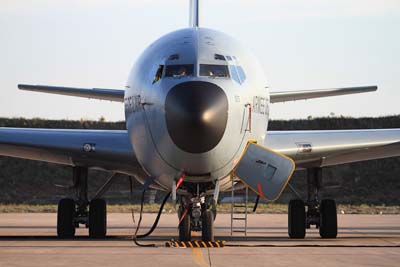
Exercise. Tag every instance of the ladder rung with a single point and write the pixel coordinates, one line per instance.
(239, 209)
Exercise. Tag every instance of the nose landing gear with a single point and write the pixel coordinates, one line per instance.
(207, 230)
(185, 233)
(205, 224)
(197, 214)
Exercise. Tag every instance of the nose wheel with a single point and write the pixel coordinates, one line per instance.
(196, 213)
(185, 228)
(207, 229)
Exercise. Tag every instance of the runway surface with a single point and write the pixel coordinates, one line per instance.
(363, 240)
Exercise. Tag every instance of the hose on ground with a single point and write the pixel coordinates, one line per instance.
(136, 236)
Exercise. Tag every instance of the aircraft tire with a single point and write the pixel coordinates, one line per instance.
(97, 218)
(207, 228)
(65, 218)
(328, 219)
(184, 229)
(296, 219)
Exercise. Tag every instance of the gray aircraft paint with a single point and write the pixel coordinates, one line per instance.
(147, 149)
(146, 123)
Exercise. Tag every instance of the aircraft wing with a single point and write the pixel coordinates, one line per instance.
(277, 97)
(96, 93)
(103, 149)
(326, 148)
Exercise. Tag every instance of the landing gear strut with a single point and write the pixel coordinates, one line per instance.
(196, 213)
(322, 214)
(72, 213)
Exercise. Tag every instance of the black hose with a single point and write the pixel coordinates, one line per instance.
(256, 204)
(131, 198)
(135, 236)
(157, 219)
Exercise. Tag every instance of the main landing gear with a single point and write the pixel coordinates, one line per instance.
(71, 213)
(197, 213)
(322, 213)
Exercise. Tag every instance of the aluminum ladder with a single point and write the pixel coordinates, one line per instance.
(239, 210)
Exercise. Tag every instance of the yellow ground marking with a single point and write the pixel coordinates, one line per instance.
(198, 257)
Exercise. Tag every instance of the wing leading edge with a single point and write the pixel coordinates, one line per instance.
(96, 93)
(277, 97)
(103, 149)
(326, 148)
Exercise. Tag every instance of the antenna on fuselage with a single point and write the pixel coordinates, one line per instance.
(194, 13)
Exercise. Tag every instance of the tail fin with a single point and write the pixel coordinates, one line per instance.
(194, 13)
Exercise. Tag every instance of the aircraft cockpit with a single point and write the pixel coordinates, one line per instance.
(225, 67)
(214, 71)
(178, 71)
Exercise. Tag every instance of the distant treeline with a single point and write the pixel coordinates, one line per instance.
(371, 182)
(324, 123)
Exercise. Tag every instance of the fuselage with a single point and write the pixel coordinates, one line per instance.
(193, 100)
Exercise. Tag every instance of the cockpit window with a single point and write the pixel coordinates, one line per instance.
(234, 74)
(214, 71)
(219, 57)
(158, 75)
(179, 70)
(241, 73)
(237, 73)
(174, 57)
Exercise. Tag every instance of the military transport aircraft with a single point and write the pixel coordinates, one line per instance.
(196, 109)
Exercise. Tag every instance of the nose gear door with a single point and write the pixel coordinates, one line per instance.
(264, 171)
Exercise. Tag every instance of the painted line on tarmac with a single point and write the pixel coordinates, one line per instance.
(198, 257)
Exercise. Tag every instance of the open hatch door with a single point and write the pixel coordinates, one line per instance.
(264, 171)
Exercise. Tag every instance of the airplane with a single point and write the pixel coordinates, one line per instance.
(197, 109)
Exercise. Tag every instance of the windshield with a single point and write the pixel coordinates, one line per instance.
(179, 70)
(214, 70)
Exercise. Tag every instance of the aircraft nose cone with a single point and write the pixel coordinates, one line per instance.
(196, 115)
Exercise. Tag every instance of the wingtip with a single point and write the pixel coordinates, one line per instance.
(22, 86)
(370, 88)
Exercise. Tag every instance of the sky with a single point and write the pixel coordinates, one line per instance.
(301, 44)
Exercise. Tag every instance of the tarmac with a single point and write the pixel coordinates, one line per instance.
(29, 239)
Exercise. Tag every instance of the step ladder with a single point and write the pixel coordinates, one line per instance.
(239, 209)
